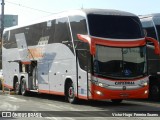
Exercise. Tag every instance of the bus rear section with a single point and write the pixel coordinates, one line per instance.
(151, 26)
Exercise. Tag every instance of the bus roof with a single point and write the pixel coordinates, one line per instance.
(149, 15)
(77, 12)
(107, 12)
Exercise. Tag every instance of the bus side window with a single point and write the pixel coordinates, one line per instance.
(157, 24)
(78, 26)
(5, 39)
(62, 32)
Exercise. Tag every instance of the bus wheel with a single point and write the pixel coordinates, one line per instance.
(116, 101)
(17, 88)
(154, 93)
(23, 87)
(70, 93)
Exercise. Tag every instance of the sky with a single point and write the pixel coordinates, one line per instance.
(33, 10)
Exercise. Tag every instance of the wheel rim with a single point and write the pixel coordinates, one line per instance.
(154, 90)
(17, 87)
(71, 92)
(23, 88)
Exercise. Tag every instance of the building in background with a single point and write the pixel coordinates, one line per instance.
(9, 21)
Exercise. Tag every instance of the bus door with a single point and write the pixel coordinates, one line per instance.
(22, 46)
(82, 68)
(43, 77)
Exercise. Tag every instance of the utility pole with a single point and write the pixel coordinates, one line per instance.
(2, 18)
(1, 32)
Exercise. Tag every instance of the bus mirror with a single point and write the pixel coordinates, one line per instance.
(156, 44)
(87, 39)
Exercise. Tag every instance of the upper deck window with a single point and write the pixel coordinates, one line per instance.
(116, 27)
(149, 27)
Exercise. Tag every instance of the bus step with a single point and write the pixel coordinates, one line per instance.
(34, 90)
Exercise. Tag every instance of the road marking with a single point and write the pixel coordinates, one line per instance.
(9, 107)
(11, 98)
(59, 118)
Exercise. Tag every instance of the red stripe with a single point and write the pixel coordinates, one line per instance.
(7, 86)
(51, 92)
(93, 41)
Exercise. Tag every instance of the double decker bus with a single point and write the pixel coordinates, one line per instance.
(91, 54)
(151, 25)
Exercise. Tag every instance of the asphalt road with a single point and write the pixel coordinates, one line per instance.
(41, 106)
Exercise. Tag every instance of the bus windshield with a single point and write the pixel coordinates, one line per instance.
(120, 63)
(116, 27)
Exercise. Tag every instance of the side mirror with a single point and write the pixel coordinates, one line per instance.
(156, 44)
(90, 41)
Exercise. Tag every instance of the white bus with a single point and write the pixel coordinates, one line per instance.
(92, 54)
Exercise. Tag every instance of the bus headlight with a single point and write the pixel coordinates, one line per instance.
(146, 91)
(144, 84)
(101, 84)
(99, 93)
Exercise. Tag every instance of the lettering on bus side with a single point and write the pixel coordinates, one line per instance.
(124, 83)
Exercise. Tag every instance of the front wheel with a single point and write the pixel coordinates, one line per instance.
(70, 93)
(116, 101)
(154, 93)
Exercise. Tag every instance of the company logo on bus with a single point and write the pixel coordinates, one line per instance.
(124, 83)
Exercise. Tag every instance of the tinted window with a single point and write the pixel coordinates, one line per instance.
(33, 34)
(54, 31)
(78, 26)
(9, 40)
(120, 27)
(157, 24)
(123, 63)
(84, 59)
(62, 32)
(149, 27)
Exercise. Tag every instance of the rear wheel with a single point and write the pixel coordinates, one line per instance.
(70, 93)
(116, 101)
(17, 88)
(23, 87)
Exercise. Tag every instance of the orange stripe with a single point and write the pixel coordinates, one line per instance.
(51, 92)
(35, 52)
(7, 86)
(26, 62)
(93, 41)
(156, 44)
(82, 97)
(57, 93)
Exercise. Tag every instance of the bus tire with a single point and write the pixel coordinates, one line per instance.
(154, 92)
(17, 88)
(116, 101)
(70, 93)
(23, 87)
